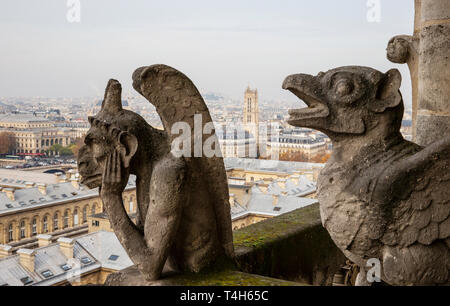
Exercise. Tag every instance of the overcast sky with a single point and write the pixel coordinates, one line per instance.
(223, 46)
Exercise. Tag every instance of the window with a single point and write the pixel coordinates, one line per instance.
(277, 208)
(66, 267)
(85, 214)
(131, 207)
(75, 217)
(113, 257)
(26, 280)
(10, 233)
(47, 273)
(86, 260)
(66, 219)
(22, 229)
(34, 227)
(55, 222)
(93, 209)
(45, 225)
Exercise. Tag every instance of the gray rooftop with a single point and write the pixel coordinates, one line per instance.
(32, 197)
(268, 165)
(25, 118)
(263, 204)
(97, 247)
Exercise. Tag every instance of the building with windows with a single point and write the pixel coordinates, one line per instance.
(236, 142)
(85, 260)
(289, 142)
(61, 210)
(262, 189)
(34, 134)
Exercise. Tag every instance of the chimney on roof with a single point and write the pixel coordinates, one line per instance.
(9, 193)
(5, 250)
(66, 246)
(70, 174)
(61, 178)
(282, 183)
(42, 189)
(29, 185)
(232, 199)
(263, 187)
(26, 258)
(75, 183)
(275, 198)
(268, 180)
(295, 178)
(44, 240)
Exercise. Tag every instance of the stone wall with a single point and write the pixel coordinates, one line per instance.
(293, 247)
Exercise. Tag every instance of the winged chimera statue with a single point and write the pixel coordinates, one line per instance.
(380, 196)
(183, 213)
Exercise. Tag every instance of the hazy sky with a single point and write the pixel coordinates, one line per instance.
(223, 46)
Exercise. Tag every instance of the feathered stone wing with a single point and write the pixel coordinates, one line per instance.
(419, 188)
(177, 100)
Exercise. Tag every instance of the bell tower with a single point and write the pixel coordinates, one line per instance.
(251, 113)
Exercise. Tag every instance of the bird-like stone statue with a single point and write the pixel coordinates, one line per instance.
(381, 197)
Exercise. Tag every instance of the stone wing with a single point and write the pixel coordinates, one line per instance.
(177, 100)
(422, 210)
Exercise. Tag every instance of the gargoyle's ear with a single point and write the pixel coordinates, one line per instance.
(128, 147)
(388, 92)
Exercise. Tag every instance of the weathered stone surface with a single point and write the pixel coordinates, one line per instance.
(426, 53)
(132, 277)
(293, 246)
(375, 190)
(183, 217)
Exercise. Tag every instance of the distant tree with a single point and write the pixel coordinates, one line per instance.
(56, 148)
(297, 156)
(320, 158)
(60, 150)
(7, 143)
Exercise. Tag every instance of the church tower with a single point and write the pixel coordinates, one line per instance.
(251, 113)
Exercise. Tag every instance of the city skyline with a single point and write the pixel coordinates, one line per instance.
(223, 47)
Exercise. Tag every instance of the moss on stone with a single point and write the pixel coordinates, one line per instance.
(229, 278)
(293, 246)
(274, 229)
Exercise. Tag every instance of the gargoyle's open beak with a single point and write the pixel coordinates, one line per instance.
(304, 87)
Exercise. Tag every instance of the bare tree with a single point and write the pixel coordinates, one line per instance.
(7, 142)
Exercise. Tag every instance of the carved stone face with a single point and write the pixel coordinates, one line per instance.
(397, 50)
(343, 100)
(107, 133)
(92, 157)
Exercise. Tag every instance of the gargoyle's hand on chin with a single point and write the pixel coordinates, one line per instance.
(115, 177)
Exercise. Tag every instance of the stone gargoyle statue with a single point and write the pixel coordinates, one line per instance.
(183, 214)
(382, 199)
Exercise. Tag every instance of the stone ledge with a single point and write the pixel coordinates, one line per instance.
(132, 277)
(293, 246)
(289, 250)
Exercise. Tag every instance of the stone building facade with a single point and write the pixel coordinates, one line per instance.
(33, 134)
(20, 223)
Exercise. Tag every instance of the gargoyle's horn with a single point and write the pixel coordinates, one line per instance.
(112, 102)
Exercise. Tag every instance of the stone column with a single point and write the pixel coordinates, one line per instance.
(427, 55)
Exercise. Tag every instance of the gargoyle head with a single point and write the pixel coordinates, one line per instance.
(112, 128)
(346, 100)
